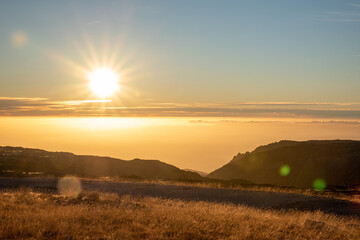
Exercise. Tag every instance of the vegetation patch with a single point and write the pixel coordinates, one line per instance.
(25, 214)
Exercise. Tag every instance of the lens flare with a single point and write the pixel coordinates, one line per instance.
(319, 184)
(19, 39)
(69, 186)
(284, 170)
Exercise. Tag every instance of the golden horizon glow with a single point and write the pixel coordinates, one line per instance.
(184, 142)
(103, 82)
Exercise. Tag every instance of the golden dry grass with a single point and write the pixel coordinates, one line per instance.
(29, 215)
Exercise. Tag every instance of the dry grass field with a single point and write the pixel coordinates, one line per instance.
(25, 214)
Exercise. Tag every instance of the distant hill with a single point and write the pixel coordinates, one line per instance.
(299, 164)
(18, 161)
(203, 174)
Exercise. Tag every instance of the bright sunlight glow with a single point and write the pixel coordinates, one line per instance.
(103, 82)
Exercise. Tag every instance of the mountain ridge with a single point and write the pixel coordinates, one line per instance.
(284, 163)
(296, 163)
(19, 160)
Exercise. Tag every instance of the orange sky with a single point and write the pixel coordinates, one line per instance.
(197, 143)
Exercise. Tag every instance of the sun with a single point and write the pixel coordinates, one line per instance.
(103, 82)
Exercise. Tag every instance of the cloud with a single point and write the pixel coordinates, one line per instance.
(47, 107)
(7, 103)
(10, 106)
(92, 23)
(350, 14)
(268, 120)
(22, 98)
(354, 4)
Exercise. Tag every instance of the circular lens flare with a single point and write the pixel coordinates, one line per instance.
(284, 170)
(103, 82)
(69, 186)
(319, 184)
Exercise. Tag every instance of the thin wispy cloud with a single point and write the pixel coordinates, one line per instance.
(92, 23)
(350, 14)
(354, 4)
(22, 99)
(79, 102)
(47, 107)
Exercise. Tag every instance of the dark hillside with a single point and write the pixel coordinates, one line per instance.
(17, 161)
(336, 162)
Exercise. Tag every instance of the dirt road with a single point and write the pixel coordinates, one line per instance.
(264, 200)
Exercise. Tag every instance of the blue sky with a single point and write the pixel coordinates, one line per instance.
(183, 52)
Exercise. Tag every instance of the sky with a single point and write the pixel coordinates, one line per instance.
(182, 52)
(254, 61)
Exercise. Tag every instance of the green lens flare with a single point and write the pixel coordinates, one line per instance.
(319, 184)
(284, 170)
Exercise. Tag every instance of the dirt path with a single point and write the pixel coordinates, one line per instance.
(264, 200)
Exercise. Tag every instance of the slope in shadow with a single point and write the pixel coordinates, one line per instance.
(18, 161)
(337, 162)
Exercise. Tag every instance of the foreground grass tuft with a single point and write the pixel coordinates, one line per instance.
(25, 214)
